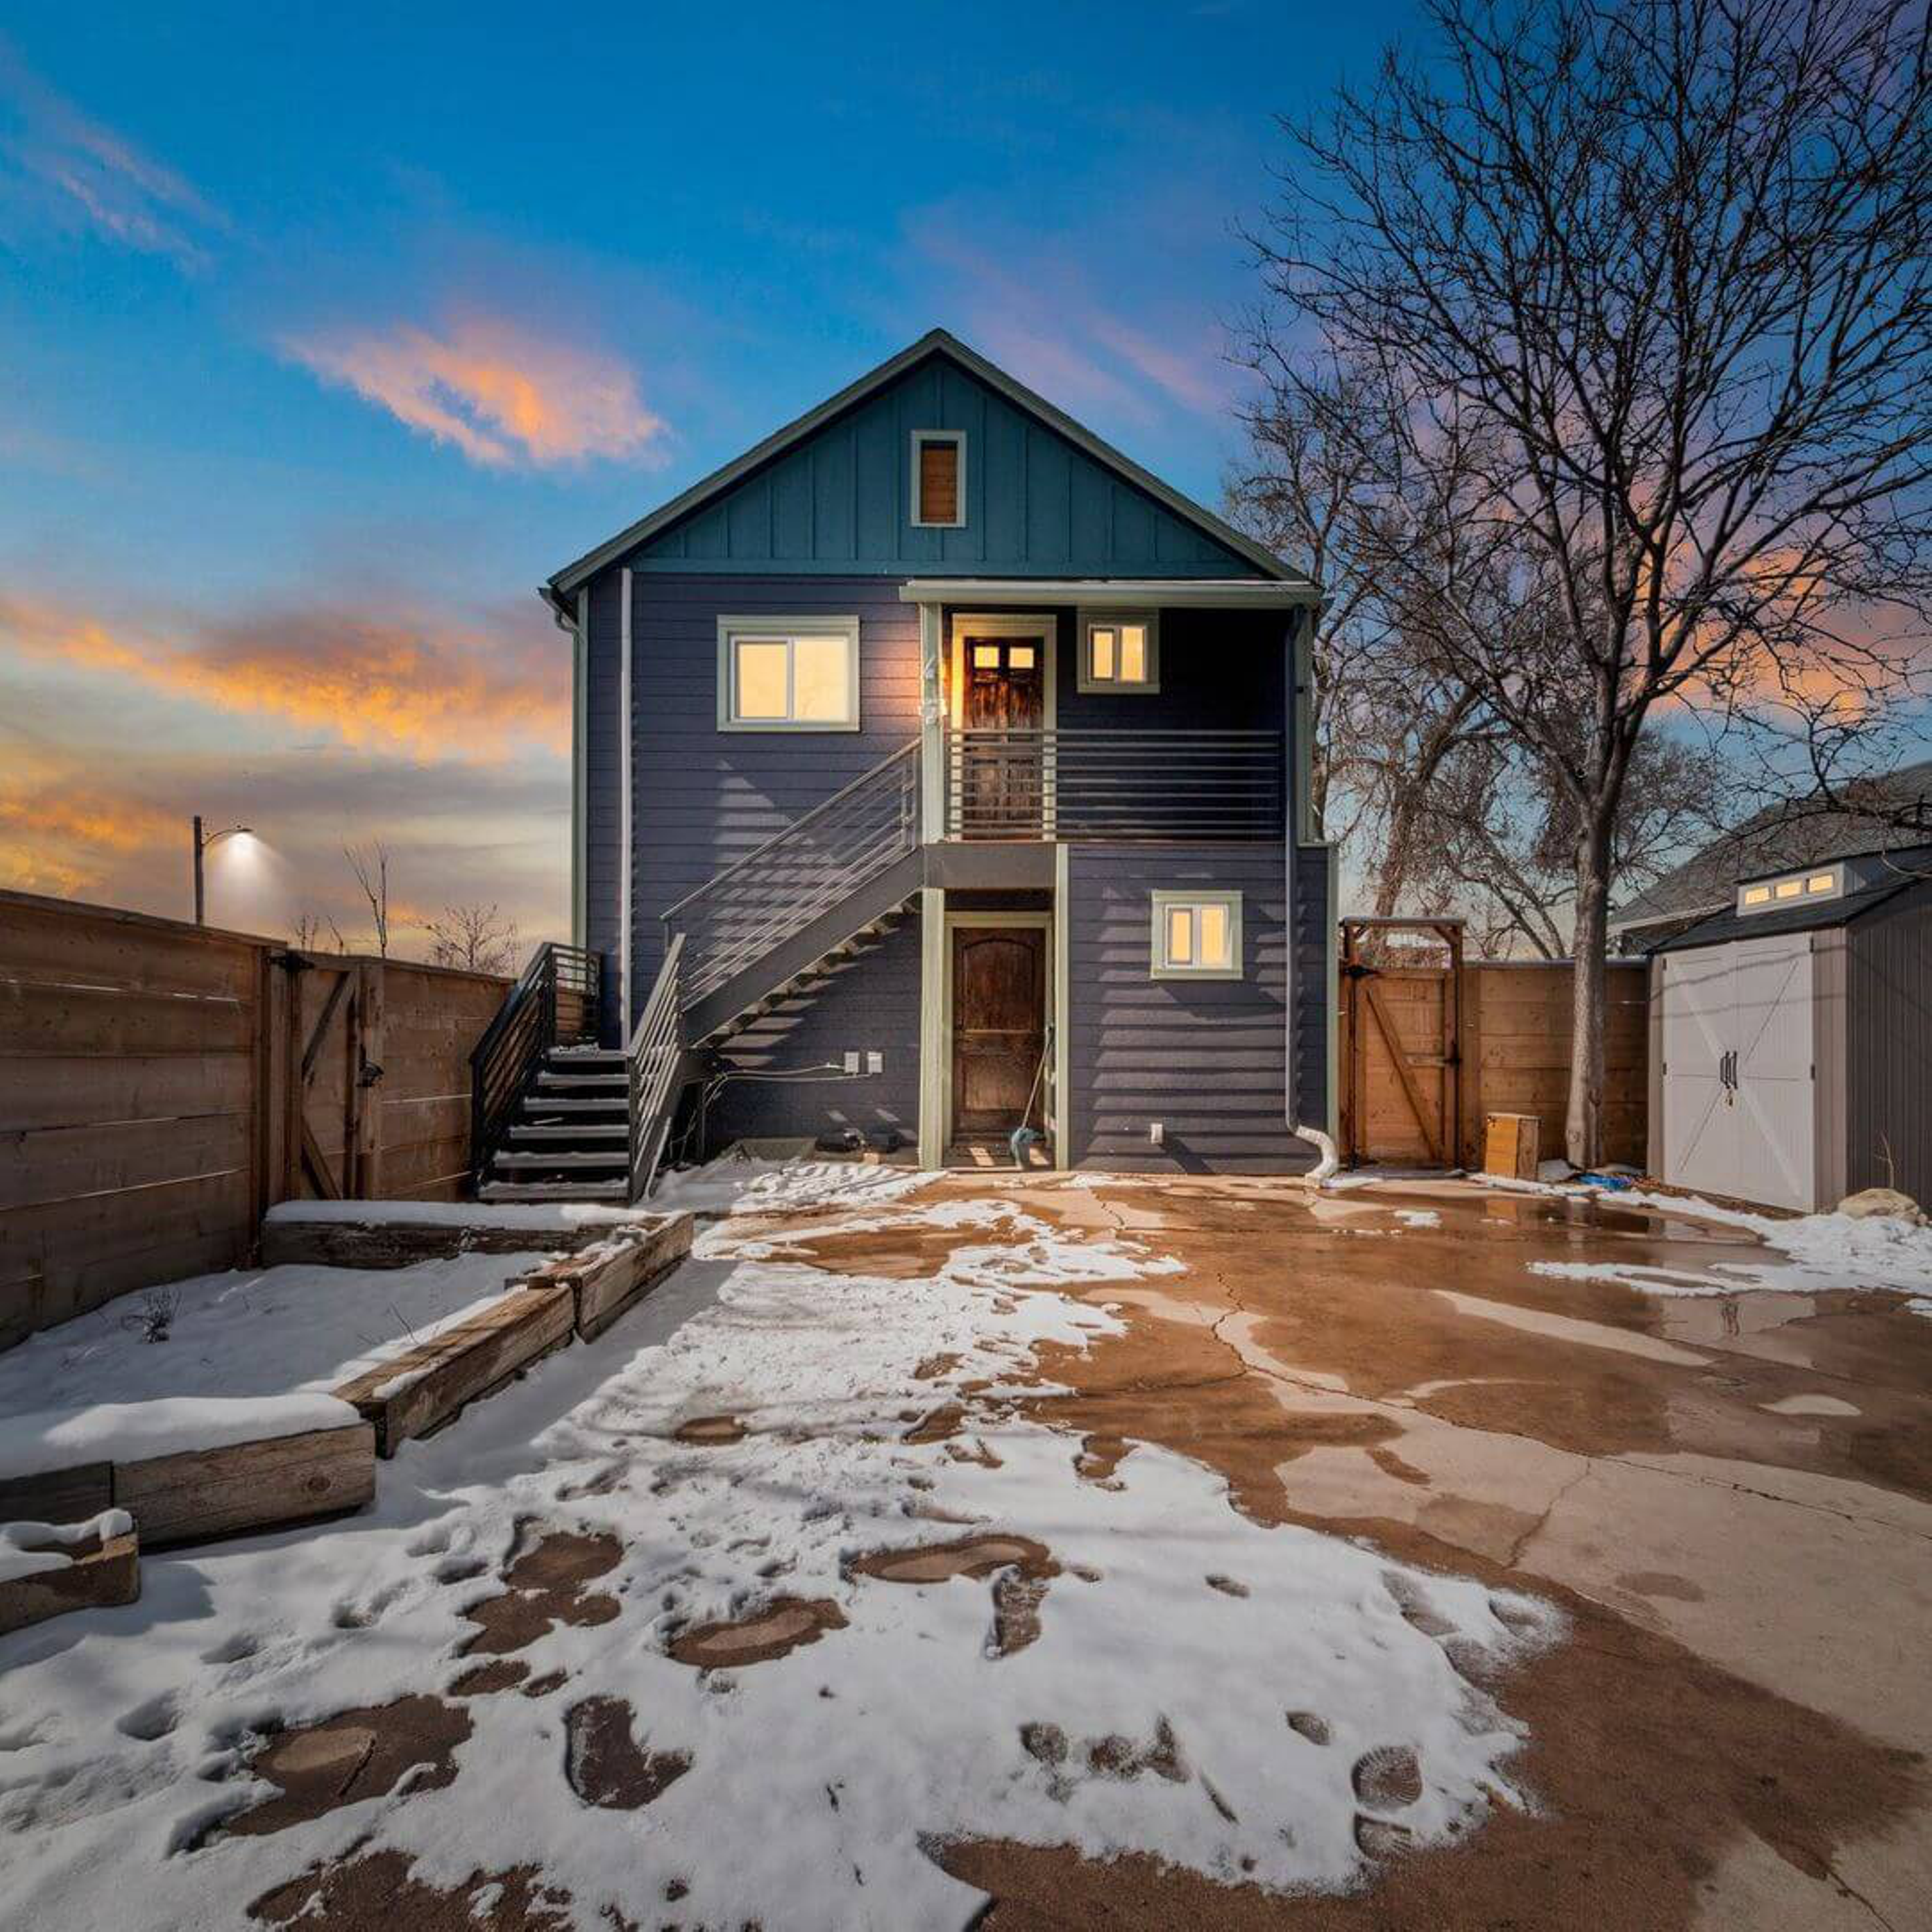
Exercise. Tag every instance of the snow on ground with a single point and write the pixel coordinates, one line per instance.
(1813, 1253)
(250, 1353)
(740, 1185)
(815, 1779)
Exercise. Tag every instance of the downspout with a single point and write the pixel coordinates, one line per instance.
(1296, 774)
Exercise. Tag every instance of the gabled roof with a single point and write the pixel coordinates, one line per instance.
(1819, 916)
(1781, 838)
(936, 342)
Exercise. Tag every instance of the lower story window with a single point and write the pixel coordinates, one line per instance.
(1197, 936)
(788, 673)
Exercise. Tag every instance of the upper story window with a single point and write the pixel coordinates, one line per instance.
(1120, 650)
(787, 673)
(939, 478)
(1768, 895)
(1197, 936)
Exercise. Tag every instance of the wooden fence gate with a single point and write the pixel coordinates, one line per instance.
(1401, 1049)
(1426, 1050)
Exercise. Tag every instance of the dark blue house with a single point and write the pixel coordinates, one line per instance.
(938, 770)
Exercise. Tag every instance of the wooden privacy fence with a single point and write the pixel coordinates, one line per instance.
(1427, 1050)
(162, 1085)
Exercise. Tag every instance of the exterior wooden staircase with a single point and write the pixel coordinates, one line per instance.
(556, 1116)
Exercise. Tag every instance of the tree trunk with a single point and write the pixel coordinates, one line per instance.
(1583, 1126)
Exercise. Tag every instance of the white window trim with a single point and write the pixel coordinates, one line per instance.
(956, 437)
(761, 625)
(1164, 902)
(1113, 686)
(1804, 895)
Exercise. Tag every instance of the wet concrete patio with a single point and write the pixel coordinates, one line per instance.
(1729, 1491)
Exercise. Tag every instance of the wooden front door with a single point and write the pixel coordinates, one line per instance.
(999, 1026)
(1004, 698)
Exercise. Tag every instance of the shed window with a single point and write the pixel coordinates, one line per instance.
(1196, 936)
(939, 478)
(788, 673)
(1764, 894)
(1120, 650)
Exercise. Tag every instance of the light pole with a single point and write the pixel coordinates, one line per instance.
(202, 841)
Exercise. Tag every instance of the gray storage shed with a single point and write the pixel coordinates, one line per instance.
(1791, 1059)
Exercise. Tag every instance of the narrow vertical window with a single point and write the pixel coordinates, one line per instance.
(939, 478)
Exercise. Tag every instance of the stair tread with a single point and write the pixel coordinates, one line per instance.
(561, 1190)
(614, 1157)
(573, 1131)
(617, 1081)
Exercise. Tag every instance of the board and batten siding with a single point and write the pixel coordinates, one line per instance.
(1036, 504)
(1206, 1058)
(701, 797)
(872, 1004)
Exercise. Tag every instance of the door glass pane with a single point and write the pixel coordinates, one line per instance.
(820, 686)
(1133, 654)
(760, 678)
(1103, 637)
(1180, 936)
(1020, 657)
(985, 657)
(1212, 921)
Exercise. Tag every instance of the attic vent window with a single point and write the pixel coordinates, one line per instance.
(939, 478)
(1767, 894)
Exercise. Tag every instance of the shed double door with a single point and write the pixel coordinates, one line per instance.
(1739, 1076)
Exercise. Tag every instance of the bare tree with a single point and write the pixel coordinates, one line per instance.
(1648, 285)
(477, 937)
(371, 869)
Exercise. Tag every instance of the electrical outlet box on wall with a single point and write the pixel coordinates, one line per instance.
(851, 1063)
(1156, 1133)
(875, 1063)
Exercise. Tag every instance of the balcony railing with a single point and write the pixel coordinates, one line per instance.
(1105, 785)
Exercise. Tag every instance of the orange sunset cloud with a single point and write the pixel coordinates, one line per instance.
(500, 393)
(374, 684)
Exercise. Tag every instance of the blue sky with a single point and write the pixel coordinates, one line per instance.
(326, 334)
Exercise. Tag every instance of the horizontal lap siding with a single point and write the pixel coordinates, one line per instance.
(702, 798)
(603, 793)
(872, 1004)
(1206, 1058)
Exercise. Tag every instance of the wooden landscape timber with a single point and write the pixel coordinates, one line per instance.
(162, 1084)
(289, 1239)
(106, 1572)
(246, 1487)
(428, 1386)
(606, 1279)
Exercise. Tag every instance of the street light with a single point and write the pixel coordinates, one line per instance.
(202, 841)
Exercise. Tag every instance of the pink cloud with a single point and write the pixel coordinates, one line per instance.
(500, 393)
(101, 176)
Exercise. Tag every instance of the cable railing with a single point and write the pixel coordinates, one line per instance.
(794, 877)
(553, 1003)
(1113, 784)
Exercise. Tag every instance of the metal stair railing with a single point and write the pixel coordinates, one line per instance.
(554, 1001)
(797, 876)
(651, 1060)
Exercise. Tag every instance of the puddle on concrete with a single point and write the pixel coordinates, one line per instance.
(776, 1628)
(546, 1588)
(354, 1755)
(711, 1431)
(605, 1764)
(378, 1890)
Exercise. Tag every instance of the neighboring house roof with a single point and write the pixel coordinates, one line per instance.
(1821, 914)
(1779, 839)
(937, 342)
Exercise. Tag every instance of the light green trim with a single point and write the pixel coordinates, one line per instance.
(932, 977)
(1113, 616)
(932, 728)
(957, 437)
(580, 772)
(761, 625)
(1333, 1027)
(1037, 922)
(1161, 903)
(1114, 593)
(1063, 980)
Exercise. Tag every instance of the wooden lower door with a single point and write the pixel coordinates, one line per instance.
(999, 1027)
